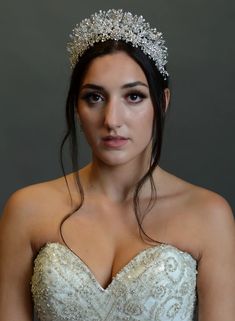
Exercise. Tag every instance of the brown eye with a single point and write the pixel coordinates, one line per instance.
(92, 98)
(135, 97)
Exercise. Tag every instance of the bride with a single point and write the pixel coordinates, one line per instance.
(120, 239)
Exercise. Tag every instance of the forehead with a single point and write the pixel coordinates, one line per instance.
(114, 69)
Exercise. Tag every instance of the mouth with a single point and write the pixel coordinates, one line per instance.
(114, 141)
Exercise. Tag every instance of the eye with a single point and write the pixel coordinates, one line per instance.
(92, 98)
(135, 97)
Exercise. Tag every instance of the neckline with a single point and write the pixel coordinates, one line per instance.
(122, 271)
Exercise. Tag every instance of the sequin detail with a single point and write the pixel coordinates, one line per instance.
(118, 25)
(158, 284)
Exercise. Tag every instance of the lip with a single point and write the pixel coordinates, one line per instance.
(114, 141)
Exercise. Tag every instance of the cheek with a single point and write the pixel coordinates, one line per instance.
(90, 127)
(145, 120)
(87, 119)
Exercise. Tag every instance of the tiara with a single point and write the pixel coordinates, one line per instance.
(118, 25)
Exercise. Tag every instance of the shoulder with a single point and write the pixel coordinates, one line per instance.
(209, 207)
(206, 215)
(40, 196)
(216, 261)
(30, 198)
(204, 226)
(211, 219)
(211, 210)
(216, 221)
(204, 203)
(31, 210)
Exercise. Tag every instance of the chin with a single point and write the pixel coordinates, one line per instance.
(113, 160)
(119, 157)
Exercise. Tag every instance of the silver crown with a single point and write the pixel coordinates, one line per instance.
(118, 25)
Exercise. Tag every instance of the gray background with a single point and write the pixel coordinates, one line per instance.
(198, 144)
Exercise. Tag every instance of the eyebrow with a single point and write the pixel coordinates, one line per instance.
(128, 85)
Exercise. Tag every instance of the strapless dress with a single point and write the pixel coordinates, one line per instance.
(158, 284)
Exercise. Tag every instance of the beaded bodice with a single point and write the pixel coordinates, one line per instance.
(158, 284)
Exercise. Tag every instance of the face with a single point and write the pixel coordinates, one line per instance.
(115, 109)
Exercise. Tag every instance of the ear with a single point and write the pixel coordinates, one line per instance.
(167, 94)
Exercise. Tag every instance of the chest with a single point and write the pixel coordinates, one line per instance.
(106, 237)
(157, 284)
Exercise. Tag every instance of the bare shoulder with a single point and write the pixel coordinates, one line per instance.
(216, 222)
(202, 218)
(30, 199)
(206, 203)
(32, 209)
(212, 210)
(210, 229)
(212, 206)
(29, 219)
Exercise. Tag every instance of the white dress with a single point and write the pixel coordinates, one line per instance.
(158, 284)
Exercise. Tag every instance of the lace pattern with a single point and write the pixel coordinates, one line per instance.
(158, 284)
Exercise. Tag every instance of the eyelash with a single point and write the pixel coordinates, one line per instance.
(88, 97)
(139, 94)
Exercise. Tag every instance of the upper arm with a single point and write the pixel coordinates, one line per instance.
(16, 259)
(216, 268)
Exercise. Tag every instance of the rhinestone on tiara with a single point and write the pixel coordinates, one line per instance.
(118, 25)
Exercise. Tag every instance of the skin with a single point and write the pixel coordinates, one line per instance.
(118, 108)
(105, 233)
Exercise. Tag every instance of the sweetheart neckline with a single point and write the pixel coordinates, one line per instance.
(123, 269)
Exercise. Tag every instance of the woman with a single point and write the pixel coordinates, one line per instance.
(120, 239)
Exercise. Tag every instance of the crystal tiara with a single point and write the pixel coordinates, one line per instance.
(118, 25)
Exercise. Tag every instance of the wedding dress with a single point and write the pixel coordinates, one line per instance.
(158, 284)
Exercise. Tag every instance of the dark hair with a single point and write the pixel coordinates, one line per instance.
(157, 84)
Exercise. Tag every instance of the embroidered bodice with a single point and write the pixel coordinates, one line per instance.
(158, 284)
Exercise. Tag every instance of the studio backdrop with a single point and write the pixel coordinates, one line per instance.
(199, 132)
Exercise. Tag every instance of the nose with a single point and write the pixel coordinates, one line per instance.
(112, 114)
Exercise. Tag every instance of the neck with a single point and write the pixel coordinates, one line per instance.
(116, 183)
